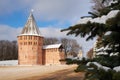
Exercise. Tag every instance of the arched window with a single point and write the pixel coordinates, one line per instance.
(34, 43)
(28, 43)
(34, 37)
(21, 43)
(20, 37)
(47, 50)
(31, 37)
(39, 43)
(24, 37)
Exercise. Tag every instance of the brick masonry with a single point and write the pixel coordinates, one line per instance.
(31, 52)
(30, 47)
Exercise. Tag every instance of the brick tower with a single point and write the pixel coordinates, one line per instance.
(30, 43)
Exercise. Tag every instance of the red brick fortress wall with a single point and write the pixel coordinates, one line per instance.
(53, 56)
(30, 50)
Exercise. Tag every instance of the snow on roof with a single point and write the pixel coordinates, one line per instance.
(99, 66)
(30, 27)
(101, 19)
(52, 46)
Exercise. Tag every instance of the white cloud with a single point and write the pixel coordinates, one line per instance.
(62, 10)
(8, 32)
(52, 32)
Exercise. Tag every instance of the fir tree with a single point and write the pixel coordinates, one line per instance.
(109, 42)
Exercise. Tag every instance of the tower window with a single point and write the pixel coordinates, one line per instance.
(34, 43)
(21, 43)
(29, 43)
(30, 37)
(39, 43)
(34, 38)
(26, 37)
(20, 37)
(47, 50)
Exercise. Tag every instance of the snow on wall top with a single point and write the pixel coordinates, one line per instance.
(101, 19)
(30, 27)
(52, 46)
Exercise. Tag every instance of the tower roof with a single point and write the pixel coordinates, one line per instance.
(30, 27)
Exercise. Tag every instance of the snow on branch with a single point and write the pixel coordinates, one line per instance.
(103, 49)
(117, 69)
(108, 33)
(101, 20)
(112, 2)
(98, 65)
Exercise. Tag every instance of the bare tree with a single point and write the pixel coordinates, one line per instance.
(8, 50)
(66, 45)
(90, 54)
(70, 46)
(48, 41)
(99, 6)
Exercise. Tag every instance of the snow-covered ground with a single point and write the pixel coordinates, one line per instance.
(9, 63)
(19, 72)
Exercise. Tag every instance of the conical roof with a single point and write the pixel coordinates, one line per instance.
(30, 27)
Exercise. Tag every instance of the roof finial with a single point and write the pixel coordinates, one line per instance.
(32, 10)
(30, 27)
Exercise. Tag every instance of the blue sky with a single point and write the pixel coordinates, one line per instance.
(50, 15)
(15, 13)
